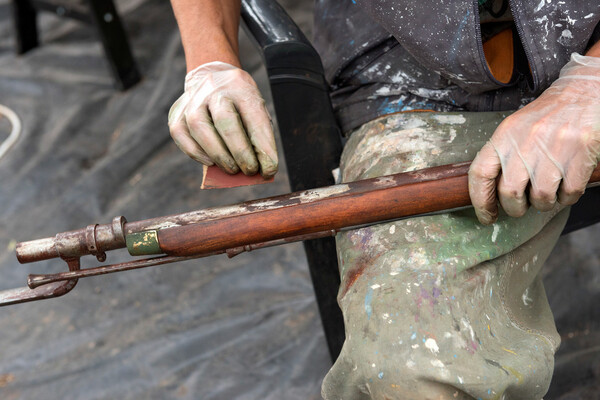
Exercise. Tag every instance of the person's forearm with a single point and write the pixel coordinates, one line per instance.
(209, 30)
(594, 51)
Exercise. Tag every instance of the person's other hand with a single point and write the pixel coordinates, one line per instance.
(550, 147)
(221, 119)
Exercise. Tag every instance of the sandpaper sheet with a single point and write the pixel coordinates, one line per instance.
(214, 178)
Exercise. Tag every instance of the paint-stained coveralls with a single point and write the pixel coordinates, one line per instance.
(443, 307)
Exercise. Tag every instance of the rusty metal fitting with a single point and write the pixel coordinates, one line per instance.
(94, 239)
(92, 246)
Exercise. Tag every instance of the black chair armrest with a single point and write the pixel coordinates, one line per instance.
(585, 212)
(310, 135)
(282, 43)
(300, 94)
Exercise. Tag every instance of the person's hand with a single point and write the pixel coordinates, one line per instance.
(550, 147)
(221, 119)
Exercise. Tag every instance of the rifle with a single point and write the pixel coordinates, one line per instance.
(248, 226)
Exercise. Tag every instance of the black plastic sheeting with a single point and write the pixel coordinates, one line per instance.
(245, 328)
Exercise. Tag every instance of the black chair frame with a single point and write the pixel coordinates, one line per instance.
(100, 13)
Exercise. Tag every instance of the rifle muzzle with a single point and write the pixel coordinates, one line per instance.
(95, 240)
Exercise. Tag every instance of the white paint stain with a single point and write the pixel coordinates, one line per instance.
(495, 232)
(415, 346)
(383, 91)
(526, 299)
(452, 135)
(392, 229)
(431, 344)
(437, 363)
(310, 195)
(376, 286)
(450, 119)
(589, 16)
(410, 363)
(460, 379)
(566, 34)
(202, 215)
(264, 203)
(539, 6)
(447, 335)
(164, 225)
(394, 273)
(402, 77)
(414, 123)
(468, 326)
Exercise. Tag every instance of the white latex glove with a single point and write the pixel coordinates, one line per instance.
(221, 119)
(550, 146)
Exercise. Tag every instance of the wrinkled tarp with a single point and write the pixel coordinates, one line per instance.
(245, 328)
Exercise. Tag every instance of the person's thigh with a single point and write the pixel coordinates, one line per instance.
(441, 306)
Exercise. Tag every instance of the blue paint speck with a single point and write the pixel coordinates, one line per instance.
(380, 376)
(368, 298)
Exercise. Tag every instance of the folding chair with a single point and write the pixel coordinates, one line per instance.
(101, 13)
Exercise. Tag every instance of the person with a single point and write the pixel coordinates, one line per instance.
(447, 306)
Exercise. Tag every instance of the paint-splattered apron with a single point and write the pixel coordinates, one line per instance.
(441, 307)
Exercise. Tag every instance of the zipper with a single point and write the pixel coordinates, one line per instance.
(479, 40)
(514, 8)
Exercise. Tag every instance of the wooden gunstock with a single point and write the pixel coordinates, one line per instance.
(332, 208)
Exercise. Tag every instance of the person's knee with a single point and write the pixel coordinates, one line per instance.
(386, 378)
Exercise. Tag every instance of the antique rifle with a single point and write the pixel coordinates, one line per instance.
(234, 229)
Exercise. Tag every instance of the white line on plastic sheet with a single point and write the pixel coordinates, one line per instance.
(15, 121)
